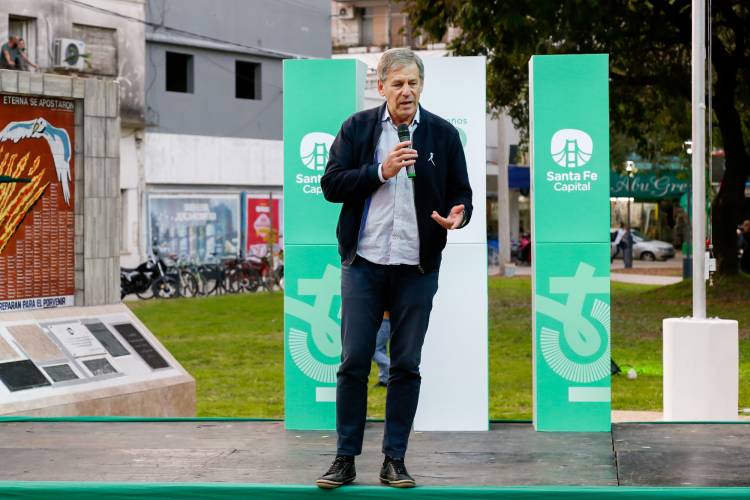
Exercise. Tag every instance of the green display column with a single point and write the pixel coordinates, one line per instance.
(318, 96)
(569, 113)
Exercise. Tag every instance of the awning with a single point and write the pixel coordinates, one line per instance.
(518, 177)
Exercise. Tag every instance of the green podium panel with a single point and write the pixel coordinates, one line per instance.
(318, 96)
(572, 326)
(312, 335)
(569, 111)
(570, 122)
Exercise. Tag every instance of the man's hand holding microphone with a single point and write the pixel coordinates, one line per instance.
(403, 156)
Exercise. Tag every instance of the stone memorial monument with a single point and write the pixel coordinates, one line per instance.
(67, 344)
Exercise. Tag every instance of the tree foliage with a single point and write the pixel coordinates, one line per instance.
(649, 45)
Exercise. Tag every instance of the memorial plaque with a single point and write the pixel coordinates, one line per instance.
(142, 346)
(99, 366)
(36, 343)
(60, 373)
(109, 341)
(37, 206)
(20, 375)
(7, 353)
(77, 339)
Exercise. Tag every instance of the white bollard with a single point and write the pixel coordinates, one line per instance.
(701, 369)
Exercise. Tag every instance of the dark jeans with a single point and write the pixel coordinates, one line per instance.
(620, 246)
(367, 290)
(381, 351)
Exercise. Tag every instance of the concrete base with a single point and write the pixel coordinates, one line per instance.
(164, 398)
(136, 389)
(220, 454)
(701, 369)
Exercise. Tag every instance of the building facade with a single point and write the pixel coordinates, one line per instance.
(359, 26)
(214, 117)
(108, 40)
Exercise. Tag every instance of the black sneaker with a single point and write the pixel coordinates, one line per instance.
(393, 473)
(340, 472)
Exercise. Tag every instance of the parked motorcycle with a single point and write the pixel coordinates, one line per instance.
(149, 279)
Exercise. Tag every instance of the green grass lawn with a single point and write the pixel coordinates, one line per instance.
(233, 345)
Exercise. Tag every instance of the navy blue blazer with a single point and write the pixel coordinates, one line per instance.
(442, 180)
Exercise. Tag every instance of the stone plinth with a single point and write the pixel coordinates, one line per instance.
(97, 360)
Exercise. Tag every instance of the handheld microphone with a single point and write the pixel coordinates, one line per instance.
(404, 135)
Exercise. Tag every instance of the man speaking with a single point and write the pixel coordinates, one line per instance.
(400, 197)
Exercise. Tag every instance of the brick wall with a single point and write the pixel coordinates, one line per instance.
(101, 48)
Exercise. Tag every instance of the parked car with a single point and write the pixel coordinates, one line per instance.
(643, 247)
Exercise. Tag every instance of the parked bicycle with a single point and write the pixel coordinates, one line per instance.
(207, 278)
(173, 276)
(191, 280)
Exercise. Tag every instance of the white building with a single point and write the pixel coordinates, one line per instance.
(108, 36)
(214, 118)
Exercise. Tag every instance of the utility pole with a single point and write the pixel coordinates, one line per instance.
(388, 14)
(503, 195)
(699, 157)
(270, 232)
(627, 254)
(701, 355)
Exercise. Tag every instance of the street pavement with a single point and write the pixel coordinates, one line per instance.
(643, 272)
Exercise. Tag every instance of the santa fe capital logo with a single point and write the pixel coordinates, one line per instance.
(313, 150)
(571, 148)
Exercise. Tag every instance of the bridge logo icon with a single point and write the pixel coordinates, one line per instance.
(313, 150)
(571, 148)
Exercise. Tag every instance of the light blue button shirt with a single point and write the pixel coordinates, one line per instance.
(388, 234)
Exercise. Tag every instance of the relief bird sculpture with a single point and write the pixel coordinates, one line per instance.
(23, 178)
(57, 139)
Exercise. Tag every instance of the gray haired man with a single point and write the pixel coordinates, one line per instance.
(391, 233)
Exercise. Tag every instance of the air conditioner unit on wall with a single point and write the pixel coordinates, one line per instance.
(69, 54)
(347, 12)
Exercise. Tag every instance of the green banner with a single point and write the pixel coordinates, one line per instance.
(312, 341)
(571, 302)
(569, 114)
(318, 96)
